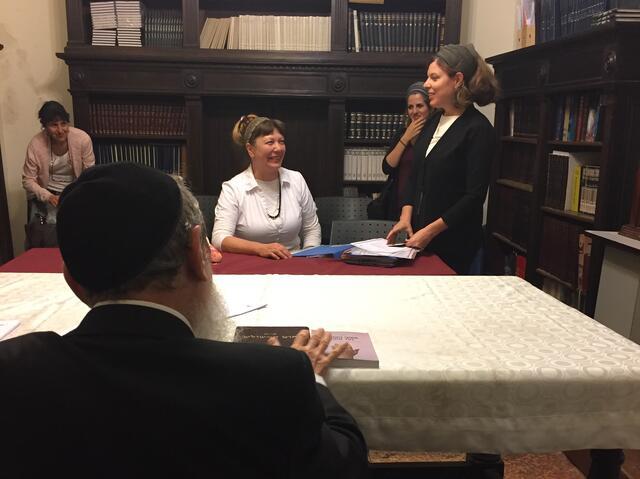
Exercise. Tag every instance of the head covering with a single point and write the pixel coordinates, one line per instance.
(252, 126)
(417, 87)
(114, 220)
(461, 58)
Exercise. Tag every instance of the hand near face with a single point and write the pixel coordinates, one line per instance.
(273, 251)
(53, 200)
(413, 130)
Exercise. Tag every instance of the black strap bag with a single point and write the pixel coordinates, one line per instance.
(380, 207)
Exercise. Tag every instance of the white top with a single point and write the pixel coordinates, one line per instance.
(443, 125)
(467, 363)
(61, 173)
(243, 211)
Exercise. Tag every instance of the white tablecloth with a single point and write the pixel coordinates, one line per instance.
(470, 364)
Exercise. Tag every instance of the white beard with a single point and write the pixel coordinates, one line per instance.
(211, 320)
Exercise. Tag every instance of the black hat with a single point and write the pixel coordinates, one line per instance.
(114, 220)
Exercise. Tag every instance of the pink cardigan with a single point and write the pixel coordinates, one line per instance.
(35, 173)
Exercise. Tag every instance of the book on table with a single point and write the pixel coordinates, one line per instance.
(376, 252)
(359, 353)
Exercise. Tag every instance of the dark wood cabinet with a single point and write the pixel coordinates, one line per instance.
(310, 91)
(590, 77)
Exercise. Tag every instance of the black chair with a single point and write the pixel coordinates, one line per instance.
(207, 205)
(348, 231)
(332, 208)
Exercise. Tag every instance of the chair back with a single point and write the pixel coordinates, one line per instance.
(332, 208)
(207, 205)
(348, 231)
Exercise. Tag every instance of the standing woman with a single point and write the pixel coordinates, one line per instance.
(399, 159)
(443, 208)
(55, 157)
(266, 210)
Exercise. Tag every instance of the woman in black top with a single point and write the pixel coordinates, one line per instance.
(399, 159)
(442, 210)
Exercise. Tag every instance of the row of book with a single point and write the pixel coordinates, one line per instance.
(364, 164)
(163, 28)
(523, 117)
(372, 126)
(116, 22)
(166, 157)
(518, 162)
(578, 117)
(267, 32)
(559, 18)
(137, 119)
(572, 181)
(417, 32)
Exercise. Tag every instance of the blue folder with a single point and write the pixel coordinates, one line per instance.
(334, 250)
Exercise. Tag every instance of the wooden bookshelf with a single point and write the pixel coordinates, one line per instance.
(309, 90)
(590, 65)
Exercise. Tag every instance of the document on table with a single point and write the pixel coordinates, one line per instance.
(379, 247)
(7, 325)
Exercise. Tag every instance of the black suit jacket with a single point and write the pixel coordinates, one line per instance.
(131, 393)
(452, 183)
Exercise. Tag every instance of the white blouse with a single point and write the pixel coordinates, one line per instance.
(243, 211)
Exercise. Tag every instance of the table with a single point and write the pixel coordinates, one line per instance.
(48, 260)
(473, 364)
(619, 289)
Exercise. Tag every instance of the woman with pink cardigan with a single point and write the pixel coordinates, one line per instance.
(55, 157)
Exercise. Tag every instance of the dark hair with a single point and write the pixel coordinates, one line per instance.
(266, 126)
(482, 88)
(52, 110)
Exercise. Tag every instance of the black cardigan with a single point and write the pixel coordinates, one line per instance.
(452, 183)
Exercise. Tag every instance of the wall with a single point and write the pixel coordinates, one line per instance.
(32, 32)
(491, 30)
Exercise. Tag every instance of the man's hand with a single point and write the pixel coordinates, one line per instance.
(273, 251)
(315, 346)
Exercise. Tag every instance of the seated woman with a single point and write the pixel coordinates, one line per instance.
(266, 210)
(55, 157)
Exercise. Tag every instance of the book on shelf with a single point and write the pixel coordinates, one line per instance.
(589, 180)
(564, 178)
(521, 265)
(267, 32)
(360, 352)
(577, 118)
(415, 32)
(364, 164)
(584, 260)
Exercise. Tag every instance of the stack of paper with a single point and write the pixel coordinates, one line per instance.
(129, 20)
(379, 247)
(7, 325)
(103, 20)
